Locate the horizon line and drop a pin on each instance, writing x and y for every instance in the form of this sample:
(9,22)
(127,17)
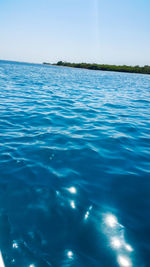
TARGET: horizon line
(42,63)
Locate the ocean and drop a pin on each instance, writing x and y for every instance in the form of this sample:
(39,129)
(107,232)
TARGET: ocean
(74,167)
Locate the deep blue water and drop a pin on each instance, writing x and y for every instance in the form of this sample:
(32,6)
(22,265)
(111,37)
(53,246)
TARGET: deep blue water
(74,167)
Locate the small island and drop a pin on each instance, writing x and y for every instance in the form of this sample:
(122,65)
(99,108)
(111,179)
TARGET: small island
(104,67)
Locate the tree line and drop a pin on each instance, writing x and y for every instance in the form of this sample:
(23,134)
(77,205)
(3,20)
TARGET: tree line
(121,68)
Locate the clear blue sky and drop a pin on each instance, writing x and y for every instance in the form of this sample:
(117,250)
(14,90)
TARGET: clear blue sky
(102,31)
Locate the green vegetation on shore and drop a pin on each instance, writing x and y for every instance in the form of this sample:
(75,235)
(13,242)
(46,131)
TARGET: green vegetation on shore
(122,68)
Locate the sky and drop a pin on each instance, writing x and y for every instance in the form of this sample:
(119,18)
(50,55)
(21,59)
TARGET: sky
(94,31)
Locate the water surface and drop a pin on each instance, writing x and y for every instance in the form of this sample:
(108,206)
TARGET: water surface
(74,167)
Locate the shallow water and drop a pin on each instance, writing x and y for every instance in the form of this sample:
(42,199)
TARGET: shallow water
(74,167)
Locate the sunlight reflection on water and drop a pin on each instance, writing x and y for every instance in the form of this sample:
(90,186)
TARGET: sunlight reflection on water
(74,167)
(1,260)
(72,204)
(115,233)
(124,261)
(72,190)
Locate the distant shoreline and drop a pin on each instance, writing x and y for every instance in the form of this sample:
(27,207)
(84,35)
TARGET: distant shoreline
(120,68)
(103,67)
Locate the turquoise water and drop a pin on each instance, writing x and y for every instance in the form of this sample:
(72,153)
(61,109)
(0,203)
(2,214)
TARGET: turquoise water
(74,167)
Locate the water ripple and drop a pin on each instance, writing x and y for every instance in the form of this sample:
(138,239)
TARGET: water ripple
(74,167)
